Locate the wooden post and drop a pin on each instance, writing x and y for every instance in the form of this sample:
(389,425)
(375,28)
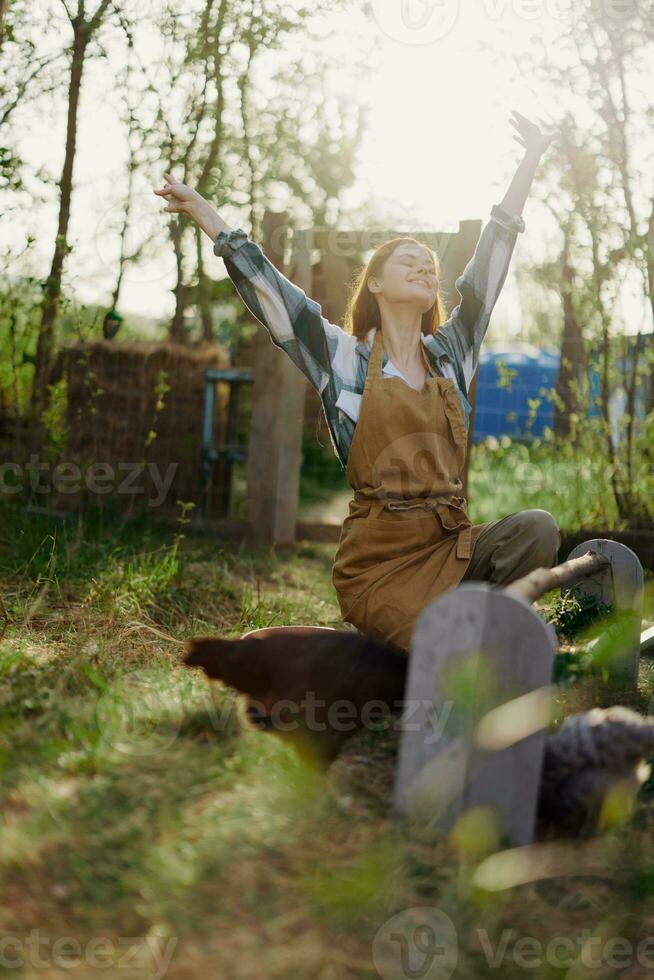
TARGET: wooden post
(474,650)
(275,439)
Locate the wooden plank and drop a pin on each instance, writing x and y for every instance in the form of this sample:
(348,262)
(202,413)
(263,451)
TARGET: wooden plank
(275,439)
(290,411)
(318,531)
(267,368)
(474,650)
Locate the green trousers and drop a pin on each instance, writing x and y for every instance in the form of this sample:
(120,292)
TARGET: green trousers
(513,546)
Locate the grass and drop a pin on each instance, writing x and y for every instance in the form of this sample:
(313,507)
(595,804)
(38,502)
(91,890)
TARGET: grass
(139,809)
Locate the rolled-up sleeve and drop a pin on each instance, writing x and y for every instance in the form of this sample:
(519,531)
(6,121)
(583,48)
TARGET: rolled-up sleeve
(294,321)
(479,286)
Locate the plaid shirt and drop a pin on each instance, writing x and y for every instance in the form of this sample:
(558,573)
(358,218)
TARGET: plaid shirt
(335,362)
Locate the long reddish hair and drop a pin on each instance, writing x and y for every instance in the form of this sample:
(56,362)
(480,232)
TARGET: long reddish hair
(362,312)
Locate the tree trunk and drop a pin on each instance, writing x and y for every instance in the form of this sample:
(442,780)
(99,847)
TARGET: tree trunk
(572,352)
(52,292)
(204,180)
(177,325)
(203,292)
(3,10)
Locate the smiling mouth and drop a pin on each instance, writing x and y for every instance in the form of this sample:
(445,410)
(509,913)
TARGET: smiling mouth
(421,282)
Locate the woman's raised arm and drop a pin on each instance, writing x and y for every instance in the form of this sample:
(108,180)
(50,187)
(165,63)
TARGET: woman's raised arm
(485,274)
(293,320)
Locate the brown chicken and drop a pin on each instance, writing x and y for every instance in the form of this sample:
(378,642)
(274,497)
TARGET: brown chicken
(315,693)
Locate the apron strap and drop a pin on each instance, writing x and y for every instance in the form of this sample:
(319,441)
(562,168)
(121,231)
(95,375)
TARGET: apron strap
(430,370)
(375,365)
(463,549)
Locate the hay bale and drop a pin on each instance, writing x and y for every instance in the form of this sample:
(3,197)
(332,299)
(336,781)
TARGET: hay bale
(141,404)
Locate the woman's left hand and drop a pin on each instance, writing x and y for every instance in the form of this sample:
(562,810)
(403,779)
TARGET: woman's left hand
(530,137)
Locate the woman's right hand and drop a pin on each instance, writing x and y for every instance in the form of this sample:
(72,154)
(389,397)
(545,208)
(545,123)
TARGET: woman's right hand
(183,199)
(180,197)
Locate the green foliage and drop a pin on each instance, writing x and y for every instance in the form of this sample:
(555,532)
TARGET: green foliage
(349,893)
(19,319)
(572,611)
(161,389)
(320,468)
(505,374)
(10,165)
(20,316)
(54,418)
(571,481)
(600,635)
(131,584)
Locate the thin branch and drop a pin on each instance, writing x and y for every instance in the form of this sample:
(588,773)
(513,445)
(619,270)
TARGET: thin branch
(543,580)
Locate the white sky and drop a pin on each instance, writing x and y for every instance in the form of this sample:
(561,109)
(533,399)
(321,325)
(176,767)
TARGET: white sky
(439,145)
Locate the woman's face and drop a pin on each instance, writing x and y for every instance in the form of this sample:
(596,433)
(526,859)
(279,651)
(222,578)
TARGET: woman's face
(408,276)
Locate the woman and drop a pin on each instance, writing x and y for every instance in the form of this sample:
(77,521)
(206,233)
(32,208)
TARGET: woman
(394,387)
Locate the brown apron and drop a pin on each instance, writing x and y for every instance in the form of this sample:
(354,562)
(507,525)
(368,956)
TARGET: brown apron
(407,537)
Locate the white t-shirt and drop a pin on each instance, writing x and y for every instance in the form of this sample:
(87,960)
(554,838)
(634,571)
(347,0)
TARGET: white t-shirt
(350,403)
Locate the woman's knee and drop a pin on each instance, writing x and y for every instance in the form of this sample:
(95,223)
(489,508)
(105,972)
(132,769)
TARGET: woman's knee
(543,530)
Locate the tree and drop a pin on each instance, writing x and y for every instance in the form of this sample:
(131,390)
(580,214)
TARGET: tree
(84,29)
(24,76)
(230,140)
(600,185)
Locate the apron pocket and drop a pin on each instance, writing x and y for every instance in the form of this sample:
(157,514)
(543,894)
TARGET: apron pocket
(370,542)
